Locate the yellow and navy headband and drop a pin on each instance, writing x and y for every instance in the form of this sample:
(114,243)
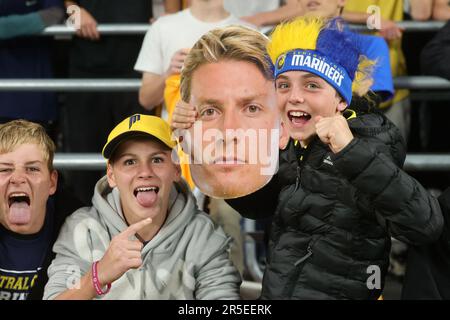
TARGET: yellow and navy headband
(315,45)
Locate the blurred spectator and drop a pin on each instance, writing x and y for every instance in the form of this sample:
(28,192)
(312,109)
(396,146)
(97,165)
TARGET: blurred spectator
(419,10)
(428,266)
(391,11)
(90,116)
(263,14)
(441,10)
(373,47)
(434,57)
(414,42)
(26,56)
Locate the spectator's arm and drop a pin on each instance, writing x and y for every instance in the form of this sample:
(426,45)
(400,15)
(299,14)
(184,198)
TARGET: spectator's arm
(27,24)
(151,92)
(421,9)
(441,10)
(355,17)
(88,24)
(288,11)
(389,29)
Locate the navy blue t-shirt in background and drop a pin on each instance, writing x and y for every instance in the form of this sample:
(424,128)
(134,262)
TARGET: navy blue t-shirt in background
(27,57)
(21,257)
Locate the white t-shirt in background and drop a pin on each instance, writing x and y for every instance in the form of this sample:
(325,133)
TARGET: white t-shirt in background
(171,33)
(242,8)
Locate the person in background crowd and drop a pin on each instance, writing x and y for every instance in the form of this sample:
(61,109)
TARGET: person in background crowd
(90,116)
(441,10)
(434,56)
(427,269)
(398,109)
(25,55)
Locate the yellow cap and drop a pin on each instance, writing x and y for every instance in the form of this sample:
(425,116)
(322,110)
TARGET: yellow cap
(138,124)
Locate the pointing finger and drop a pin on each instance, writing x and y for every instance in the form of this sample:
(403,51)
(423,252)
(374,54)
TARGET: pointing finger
(134,228)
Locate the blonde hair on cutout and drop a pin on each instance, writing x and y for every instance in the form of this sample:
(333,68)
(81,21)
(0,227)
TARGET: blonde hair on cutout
(235,43)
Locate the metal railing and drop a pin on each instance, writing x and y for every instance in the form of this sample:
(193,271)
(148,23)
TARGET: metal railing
(103,29)
(70,85)
(409,26)
(135,29)
(95,161)
(251,254)
(79,161)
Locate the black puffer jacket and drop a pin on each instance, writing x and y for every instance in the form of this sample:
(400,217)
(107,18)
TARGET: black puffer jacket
(335,218)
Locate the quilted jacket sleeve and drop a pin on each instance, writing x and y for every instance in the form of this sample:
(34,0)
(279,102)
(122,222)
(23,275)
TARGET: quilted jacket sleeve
(411,213)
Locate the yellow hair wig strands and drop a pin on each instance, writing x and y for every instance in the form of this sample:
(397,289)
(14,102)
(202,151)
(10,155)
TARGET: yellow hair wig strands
(363,76)
(299,33)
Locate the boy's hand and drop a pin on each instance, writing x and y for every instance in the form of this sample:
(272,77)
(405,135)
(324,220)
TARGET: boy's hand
(184,116)
(334,131)
(122,254)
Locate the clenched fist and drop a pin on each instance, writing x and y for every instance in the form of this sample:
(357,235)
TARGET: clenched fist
(334,131)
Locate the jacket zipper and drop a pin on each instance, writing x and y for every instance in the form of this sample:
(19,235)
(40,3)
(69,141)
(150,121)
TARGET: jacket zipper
(297,179)
(299,264)
(281,205)
(306,256)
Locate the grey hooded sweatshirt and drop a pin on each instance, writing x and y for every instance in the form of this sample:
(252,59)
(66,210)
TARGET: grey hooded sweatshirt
(187,259)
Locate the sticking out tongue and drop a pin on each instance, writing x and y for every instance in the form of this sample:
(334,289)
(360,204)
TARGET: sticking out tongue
(19,213)
(299,121)
(146,198)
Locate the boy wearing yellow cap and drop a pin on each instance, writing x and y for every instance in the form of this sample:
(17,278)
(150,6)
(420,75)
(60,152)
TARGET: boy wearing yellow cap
(143,237)
(333,220)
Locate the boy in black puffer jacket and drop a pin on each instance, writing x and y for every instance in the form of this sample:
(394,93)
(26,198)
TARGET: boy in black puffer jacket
(332,225)
(331,232)
(333,219)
